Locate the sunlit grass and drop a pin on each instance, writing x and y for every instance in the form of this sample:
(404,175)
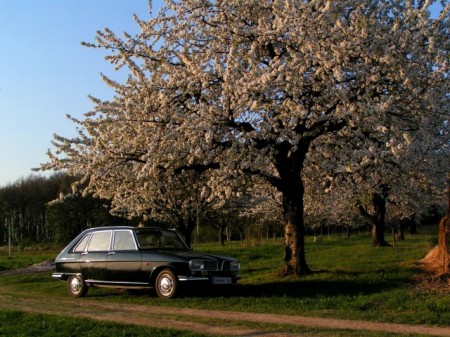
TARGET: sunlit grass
(21,259)
(16,323)
(352,280)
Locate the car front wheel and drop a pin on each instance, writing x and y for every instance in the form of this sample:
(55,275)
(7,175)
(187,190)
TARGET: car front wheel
(166,284)
(76,286)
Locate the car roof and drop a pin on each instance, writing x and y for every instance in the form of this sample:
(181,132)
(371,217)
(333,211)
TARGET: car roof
(123,227)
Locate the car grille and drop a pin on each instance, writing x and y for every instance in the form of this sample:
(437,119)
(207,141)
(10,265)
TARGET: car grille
(210,265)
(216,266)
(226,265)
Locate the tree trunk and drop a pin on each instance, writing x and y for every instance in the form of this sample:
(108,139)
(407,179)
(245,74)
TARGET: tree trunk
(294,232)
(438,259)
(221,235)
(444,244)
(401,232)
(413,228)
(187,228)
(444,235)
(379,206)
(407,222)
(294,249)
(377,219)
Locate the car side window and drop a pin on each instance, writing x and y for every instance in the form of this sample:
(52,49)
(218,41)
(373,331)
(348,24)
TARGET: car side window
(79,248)
(123,240)
(148,239)
(100,241)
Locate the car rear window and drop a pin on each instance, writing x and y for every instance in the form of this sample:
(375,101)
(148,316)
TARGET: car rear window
(81,244)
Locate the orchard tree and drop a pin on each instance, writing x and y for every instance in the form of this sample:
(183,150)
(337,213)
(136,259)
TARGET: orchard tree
(402,173)
(327,204)
(224,215)
(238,88)
(178,198)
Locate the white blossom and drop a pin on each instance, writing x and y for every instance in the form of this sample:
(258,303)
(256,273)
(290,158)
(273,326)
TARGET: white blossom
(234,87)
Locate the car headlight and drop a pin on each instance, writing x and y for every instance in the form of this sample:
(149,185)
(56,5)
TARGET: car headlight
(235,265)
(196,265)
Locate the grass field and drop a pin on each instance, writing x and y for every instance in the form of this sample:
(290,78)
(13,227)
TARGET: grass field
(352,280)
(15,323)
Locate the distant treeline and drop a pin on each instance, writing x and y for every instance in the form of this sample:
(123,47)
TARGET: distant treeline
(34,211)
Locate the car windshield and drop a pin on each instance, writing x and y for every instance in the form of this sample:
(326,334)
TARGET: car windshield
(153,238)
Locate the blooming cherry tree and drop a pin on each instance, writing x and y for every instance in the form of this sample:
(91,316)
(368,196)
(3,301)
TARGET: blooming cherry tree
(382,173)
(234,88)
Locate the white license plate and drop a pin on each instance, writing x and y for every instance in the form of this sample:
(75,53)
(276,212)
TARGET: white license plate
(221,280)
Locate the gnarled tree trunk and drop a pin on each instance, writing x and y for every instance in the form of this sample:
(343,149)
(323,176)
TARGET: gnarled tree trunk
(379,205)
(438,259)
(444,243)
(294,231)
(444,236)
(378,216)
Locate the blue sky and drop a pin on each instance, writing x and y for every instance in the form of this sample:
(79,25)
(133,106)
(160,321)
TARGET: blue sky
(45,73)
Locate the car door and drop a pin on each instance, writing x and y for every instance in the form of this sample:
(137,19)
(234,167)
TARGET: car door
(93,259)
(124,261)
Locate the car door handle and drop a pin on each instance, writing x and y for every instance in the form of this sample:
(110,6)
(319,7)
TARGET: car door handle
(111,253)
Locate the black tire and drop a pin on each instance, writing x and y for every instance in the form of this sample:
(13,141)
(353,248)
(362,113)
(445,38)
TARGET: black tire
(166,284)
(76,286)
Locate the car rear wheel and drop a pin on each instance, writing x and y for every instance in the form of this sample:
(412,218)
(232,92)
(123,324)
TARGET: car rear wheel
(166,284)
(76,286)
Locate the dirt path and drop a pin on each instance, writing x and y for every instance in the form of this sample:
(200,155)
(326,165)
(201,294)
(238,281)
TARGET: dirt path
(188,319)
(225,323)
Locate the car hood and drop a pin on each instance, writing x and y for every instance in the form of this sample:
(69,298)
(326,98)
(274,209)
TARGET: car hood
(191,255)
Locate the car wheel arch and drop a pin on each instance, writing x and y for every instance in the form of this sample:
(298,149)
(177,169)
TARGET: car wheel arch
(155,272)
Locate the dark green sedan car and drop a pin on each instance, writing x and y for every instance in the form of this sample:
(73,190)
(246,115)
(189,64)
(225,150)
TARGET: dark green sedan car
(138,258)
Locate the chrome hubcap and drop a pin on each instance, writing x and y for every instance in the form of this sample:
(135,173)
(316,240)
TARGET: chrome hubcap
(75,285)
(166,285)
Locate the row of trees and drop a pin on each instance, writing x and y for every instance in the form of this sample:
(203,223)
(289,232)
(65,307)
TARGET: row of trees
(34,211)
(39,210)
(42,210)
(329,106)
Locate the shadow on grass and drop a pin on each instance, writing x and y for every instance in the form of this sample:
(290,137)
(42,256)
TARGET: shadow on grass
(339,283)
(301,288)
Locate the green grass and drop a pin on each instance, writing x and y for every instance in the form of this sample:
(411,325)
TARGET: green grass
(20,259)
(16,323)
(353,280)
